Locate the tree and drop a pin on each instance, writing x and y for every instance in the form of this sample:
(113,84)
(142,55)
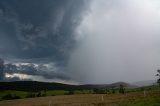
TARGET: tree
(122,89)
(70,92)
(113,90)
(158,75)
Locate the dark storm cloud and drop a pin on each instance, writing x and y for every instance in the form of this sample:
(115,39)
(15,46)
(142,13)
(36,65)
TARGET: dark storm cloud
(118,40)
(39,28)
(38,32)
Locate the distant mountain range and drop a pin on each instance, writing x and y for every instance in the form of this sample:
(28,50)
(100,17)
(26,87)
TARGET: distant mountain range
(38,86)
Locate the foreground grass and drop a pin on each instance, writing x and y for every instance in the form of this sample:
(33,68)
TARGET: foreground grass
(152,98)
(148,102)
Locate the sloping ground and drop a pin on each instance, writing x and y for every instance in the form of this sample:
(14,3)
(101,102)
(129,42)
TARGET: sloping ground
(152,98)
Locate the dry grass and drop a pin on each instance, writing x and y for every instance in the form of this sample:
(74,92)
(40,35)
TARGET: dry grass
(84,100)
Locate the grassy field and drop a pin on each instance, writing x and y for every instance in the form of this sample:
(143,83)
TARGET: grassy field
(152,98)
(22,94)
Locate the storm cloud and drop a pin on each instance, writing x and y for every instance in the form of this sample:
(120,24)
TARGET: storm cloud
(39,31)
(86,41)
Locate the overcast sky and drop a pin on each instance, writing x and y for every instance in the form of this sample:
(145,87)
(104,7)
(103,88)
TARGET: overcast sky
(80,41)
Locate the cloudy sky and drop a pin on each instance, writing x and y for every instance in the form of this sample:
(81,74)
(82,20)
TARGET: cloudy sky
(80,41)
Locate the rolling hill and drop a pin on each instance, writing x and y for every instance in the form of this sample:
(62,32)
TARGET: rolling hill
(38,86)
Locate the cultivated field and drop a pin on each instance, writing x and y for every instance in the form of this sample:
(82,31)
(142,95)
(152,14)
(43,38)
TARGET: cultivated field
(152,98)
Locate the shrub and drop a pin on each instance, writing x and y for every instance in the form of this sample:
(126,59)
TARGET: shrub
(10,96)
(71,92)
(122,89)
(38,94)
(30,95)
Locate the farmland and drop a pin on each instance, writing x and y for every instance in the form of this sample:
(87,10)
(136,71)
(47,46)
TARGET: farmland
(152,98)
(52,94)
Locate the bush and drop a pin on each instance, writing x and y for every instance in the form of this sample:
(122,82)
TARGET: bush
(10,96)
(44,94)
(121,89)
(99,91)
(70,92)
(14,96)
(113,91)
(38,94)
(7,97)
(30,95)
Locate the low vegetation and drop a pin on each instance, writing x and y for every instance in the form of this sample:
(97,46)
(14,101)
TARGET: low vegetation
(94,97)
(85,95)
(152,98)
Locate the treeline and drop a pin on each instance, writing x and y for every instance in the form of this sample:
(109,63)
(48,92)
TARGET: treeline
(14,95)
(33,86)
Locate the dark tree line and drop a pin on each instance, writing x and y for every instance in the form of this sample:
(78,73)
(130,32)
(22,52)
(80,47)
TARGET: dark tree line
(158,75)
